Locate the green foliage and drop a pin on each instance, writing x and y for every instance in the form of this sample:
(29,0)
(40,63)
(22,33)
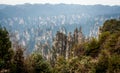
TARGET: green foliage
(6,53)
(114,64)
(117,46)
(18,61)
(102,64)
(39,64)
(79,49)
(110,43)
(61,65)
(108,63)
(73,65)
(92,48)
(109,58)
(103,37)
(113,26)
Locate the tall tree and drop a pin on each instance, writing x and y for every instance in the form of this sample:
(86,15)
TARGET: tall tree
(6,52)
(19,60)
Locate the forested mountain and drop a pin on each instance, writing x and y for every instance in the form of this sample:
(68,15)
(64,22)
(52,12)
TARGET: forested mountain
(37,24)
(70,53)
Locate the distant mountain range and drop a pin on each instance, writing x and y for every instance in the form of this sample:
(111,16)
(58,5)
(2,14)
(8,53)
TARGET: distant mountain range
(57,9)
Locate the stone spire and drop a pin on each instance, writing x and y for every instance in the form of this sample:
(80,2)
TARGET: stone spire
(80,36)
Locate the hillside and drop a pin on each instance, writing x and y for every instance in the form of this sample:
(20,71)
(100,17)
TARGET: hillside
(69,54)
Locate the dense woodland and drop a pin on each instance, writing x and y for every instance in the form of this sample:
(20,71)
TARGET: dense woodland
(72,53)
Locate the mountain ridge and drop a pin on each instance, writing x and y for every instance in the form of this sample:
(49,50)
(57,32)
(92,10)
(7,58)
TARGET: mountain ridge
(56,9)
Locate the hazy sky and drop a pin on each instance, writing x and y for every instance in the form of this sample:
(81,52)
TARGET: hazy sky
(83,2)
